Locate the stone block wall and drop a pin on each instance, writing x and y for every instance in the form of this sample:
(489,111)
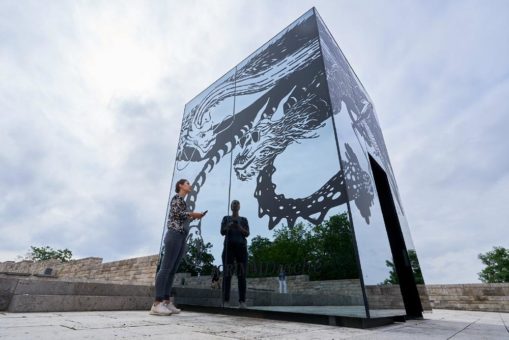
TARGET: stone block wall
(297,283)
(493,297)
(141,271)
(388,297)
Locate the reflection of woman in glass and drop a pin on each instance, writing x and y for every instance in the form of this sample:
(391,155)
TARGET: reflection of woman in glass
(174,248)
(235,228)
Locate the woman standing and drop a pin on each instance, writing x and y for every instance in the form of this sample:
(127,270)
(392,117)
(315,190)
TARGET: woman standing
(174,248)
(235,228)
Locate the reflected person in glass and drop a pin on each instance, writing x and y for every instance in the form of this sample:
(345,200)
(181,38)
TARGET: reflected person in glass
(282,280)
(235,229)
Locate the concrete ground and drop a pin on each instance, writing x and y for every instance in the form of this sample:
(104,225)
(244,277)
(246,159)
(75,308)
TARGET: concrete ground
(441,324)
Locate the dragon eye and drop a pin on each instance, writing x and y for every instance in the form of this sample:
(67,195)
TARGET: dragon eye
(242,141)
(255,136)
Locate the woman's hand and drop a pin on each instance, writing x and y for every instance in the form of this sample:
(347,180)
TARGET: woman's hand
(196,215)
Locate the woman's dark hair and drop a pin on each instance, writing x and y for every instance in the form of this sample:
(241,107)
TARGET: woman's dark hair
(179,183)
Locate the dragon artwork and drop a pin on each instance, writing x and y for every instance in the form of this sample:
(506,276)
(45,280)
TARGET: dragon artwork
(291,102)
(346,88)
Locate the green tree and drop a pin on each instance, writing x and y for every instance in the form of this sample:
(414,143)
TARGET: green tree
(48,253)
(289,248)
(416,268)
(333,254)
(393,277)
(292,248)
(198,258)
(497,265)
(260,250)
(323,251)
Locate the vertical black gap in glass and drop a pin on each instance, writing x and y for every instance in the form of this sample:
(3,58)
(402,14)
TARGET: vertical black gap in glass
(404,270)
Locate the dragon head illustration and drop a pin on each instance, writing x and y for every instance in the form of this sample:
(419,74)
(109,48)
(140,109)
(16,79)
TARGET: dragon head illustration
(274,129)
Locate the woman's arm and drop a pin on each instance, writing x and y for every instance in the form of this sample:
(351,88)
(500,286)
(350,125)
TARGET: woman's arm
(196,215)
(178,211)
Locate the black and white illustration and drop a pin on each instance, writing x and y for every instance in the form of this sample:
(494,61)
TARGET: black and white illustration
(281,99)
(345,88)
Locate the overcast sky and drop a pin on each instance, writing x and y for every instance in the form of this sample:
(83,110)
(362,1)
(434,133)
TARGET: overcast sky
(92,94)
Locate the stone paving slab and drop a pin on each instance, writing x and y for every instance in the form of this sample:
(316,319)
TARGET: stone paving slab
(441,324)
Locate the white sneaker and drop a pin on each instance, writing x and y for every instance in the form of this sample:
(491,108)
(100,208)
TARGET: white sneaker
(242,305)
(159,309)
(171,307)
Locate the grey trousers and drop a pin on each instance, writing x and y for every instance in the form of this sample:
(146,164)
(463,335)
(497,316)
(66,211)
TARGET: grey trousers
(174,250)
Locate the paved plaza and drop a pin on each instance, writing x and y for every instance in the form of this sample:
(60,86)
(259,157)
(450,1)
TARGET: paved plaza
(440,324)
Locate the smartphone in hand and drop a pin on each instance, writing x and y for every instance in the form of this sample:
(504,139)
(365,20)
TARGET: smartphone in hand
(205,212)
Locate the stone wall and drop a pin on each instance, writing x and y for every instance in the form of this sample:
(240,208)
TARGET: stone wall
(389,297)
(141,271)
(493,297)
(297,283)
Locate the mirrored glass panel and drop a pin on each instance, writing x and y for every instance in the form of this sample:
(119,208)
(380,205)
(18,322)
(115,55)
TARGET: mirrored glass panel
(352,106)
(204,158)
(379,158)
(287,178)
